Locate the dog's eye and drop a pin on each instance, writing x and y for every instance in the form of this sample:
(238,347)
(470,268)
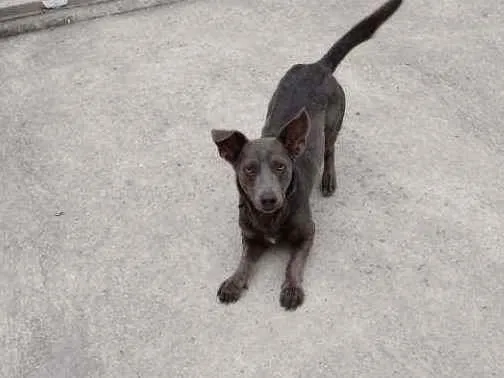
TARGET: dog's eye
(280,167)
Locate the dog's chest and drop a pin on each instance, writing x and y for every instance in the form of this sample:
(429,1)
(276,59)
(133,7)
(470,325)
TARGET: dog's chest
(268,229)
(266,237)
(271,239)
(270,234)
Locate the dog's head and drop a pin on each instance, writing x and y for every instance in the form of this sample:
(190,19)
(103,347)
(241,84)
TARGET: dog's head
(264,166)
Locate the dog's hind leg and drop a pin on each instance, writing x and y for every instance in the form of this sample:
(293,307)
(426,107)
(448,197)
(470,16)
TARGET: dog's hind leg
(334,119)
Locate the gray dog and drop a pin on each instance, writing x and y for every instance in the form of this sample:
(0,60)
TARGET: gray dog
(275,174)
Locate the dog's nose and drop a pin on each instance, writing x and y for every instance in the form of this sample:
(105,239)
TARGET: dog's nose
(268,200)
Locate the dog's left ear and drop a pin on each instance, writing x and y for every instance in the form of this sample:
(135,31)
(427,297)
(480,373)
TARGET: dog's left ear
(229,143)
(294,133)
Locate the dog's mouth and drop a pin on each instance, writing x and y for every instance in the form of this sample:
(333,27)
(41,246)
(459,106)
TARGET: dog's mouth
(268,209)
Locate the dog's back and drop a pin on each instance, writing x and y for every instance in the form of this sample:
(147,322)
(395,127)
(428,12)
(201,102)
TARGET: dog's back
(312,86)
(302,86)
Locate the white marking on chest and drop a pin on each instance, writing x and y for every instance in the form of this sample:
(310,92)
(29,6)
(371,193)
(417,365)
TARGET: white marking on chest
(271,239)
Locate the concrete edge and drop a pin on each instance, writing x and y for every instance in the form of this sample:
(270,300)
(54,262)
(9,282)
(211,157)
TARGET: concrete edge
(32,16)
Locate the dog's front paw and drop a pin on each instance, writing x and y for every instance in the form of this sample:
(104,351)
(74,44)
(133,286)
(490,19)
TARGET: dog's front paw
(328,184)
(291,296)
(230,290)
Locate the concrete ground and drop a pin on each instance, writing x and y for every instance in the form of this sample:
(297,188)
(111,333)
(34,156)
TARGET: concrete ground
(118,220)
(8,3)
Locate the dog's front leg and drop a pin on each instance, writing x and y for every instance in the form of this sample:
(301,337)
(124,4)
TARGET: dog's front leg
(292,294)
(231,289)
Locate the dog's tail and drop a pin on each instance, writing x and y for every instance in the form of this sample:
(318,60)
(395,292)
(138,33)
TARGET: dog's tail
(361,32)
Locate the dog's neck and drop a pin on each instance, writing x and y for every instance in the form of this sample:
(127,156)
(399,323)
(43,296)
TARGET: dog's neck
(291,189)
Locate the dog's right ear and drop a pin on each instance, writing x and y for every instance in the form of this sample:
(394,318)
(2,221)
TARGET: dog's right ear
(229,143)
